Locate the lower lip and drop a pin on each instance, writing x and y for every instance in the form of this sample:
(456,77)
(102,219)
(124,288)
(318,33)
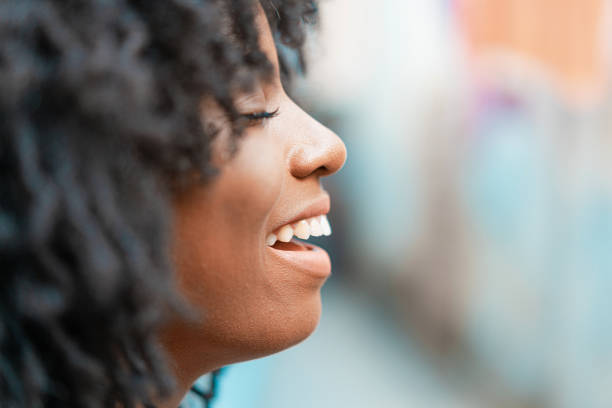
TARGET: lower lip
(310,259)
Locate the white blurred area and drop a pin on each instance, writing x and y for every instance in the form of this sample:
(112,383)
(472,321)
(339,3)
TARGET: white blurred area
(473,220)
(379,70)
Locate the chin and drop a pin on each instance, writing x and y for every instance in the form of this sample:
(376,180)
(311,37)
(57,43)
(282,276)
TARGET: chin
(301,327)
(279,332)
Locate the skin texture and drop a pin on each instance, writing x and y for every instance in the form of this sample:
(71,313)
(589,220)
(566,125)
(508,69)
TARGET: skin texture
(249,304)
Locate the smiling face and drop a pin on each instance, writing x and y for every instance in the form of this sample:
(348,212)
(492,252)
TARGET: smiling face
(257,295)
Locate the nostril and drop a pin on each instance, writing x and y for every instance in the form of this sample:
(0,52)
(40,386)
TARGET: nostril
(323,171)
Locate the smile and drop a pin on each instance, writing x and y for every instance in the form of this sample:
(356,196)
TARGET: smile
(299,255)
(303,229)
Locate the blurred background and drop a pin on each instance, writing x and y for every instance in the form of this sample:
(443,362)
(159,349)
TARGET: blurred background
(472,242)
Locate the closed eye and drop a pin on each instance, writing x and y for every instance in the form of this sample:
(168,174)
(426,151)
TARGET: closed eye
(257,118)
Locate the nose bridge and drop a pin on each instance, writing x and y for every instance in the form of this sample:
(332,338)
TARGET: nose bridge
(317,151)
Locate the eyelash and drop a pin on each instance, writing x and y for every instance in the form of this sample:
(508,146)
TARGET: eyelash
(258,117)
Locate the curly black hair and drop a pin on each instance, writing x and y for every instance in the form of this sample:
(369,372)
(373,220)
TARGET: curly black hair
(100,118)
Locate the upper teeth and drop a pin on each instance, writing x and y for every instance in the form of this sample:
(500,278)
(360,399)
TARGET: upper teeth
(303,229)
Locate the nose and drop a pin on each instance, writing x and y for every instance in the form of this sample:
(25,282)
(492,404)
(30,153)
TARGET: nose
(317,151)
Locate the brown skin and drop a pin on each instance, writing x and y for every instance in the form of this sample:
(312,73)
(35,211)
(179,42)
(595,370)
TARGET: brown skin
(252,305)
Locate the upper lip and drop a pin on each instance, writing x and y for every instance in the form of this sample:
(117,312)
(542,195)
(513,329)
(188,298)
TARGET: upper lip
(318,206)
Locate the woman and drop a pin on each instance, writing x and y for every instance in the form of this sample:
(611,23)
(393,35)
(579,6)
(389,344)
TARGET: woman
(154,172)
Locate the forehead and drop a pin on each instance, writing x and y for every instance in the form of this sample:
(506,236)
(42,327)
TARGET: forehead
(266,39)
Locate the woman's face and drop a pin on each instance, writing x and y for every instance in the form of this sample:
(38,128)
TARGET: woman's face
(255,299)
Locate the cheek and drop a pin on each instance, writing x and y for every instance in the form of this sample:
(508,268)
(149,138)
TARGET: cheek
(249,306)
(252,183)
(220,229)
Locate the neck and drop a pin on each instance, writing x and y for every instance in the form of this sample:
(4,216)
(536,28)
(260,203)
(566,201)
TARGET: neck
(187,368)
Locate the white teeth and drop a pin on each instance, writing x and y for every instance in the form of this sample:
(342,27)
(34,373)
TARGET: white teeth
(302,230)
(315,227)
(271,240)
(285,234)
(325,227)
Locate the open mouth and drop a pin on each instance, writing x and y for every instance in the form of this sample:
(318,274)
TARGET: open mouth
(299,255)
(294,245)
